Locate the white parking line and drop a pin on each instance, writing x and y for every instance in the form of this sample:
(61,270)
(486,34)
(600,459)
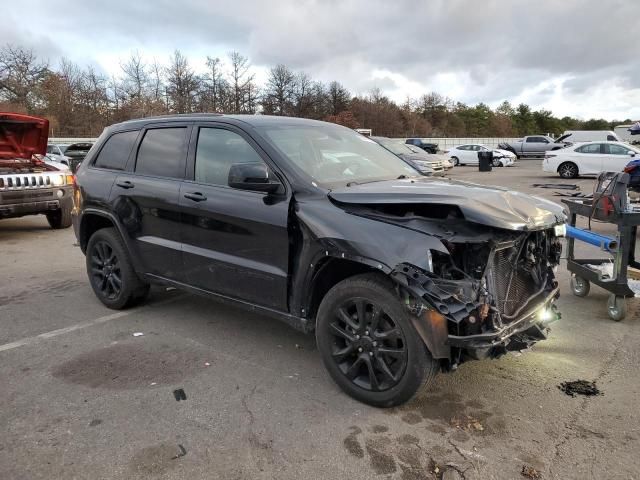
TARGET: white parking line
(61,331)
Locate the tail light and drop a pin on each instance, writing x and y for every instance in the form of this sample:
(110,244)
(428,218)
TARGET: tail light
(630,168)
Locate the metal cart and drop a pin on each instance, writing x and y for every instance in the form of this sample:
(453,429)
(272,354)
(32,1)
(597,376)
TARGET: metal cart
(623,258)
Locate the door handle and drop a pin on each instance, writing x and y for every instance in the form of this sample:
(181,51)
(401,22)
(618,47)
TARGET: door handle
(195,196)
(125,184)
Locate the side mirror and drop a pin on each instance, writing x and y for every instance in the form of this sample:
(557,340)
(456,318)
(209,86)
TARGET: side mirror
(631,153)
(252,176)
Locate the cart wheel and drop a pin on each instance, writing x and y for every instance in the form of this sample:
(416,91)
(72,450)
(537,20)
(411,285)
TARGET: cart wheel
(579,286)
(617,307)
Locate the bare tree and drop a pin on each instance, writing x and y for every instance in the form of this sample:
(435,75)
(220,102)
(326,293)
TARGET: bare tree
(215,87)
(279,93)
(21,76)
(182,84)
(303,95)
(338,98)
(241,80)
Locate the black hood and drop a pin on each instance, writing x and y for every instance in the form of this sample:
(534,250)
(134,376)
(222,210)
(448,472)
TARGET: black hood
(493,206)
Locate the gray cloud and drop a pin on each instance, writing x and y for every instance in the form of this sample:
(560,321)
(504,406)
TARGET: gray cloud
(492,50)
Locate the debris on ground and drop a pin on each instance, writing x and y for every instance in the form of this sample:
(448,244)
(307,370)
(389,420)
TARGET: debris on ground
(466,422)
(138,334)
(559,186)
(183,452)
(299,347)
(179,394)
(573,195)
(207,364)
(530,472)
(579,387)
(170,289)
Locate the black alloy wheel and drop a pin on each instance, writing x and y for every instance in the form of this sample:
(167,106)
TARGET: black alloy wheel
(368,347)
(105,270)
(368,343)
(111,273)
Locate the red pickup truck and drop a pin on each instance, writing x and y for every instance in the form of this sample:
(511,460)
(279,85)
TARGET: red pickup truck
(30,184)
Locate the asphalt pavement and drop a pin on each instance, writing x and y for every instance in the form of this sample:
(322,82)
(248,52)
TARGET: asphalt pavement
(82,396)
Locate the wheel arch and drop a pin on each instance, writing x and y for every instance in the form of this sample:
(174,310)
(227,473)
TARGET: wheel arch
(328,272)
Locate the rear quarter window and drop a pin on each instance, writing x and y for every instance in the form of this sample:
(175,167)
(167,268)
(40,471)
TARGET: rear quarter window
(116,150)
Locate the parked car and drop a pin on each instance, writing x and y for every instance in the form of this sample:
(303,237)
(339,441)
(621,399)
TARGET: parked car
(76,152)
(446,162)
(55,152)
(468,155)
(399,275)
(426,146)
(633,169)
(589,158)
(532,146)
(30,183)
(578,136)
(425,163)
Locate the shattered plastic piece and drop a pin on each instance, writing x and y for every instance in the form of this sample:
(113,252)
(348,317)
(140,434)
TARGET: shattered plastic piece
(579,387)
(299,347)
(530,472)
(138,334)
(170,288)
(152,384)
(179,394)
(183,452)
(207,364)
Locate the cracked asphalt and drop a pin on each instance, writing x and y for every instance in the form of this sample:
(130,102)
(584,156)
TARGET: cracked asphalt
(83,398)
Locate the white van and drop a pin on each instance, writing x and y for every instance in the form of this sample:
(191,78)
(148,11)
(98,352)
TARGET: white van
(575,136)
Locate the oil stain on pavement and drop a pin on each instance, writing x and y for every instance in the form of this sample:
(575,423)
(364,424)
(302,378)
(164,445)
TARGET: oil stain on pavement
(129,366)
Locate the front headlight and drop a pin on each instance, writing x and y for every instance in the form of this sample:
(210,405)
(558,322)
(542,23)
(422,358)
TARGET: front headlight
(560,230)
(57,180)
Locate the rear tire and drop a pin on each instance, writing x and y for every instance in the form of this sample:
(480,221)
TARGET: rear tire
(455,161)
(60,218)
(110,271)
(568,170)
(368,344)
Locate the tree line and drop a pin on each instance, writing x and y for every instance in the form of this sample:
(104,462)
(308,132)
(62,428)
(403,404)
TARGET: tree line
(80,101)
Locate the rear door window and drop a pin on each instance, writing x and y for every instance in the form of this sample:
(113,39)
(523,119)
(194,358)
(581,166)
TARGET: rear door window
(116,150)
(162,152)
(590,148)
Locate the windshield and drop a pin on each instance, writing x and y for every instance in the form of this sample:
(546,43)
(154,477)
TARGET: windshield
(335,156)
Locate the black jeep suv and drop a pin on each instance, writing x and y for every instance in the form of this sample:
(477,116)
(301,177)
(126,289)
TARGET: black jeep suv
(400,276)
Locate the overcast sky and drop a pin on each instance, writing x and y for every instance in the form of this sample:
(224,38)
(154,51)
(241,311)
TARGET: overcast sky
(573,57)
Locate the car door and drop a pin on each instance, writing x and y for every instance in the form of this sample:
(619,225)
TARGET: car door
(588,157)
(146,199)
(235,242)
(464,154)
(615,157)
(535,144)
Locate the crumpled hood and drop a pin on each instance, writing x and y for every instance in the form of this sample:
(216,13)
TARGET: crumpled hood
(493,206)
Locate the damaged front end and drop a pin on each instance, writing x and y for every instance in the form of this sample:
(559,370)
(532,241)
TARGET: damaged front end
(483,299)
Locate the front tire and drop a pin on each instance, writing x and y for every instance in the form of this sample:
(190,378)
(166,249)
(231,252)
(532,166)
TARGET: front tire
(568,170)
(110,271)
(455,161)
(60,218)
(496,163)
(368,344)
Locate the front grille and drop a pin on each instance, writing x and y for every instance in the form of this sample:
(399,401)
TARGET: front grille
(513,285)
(24,181)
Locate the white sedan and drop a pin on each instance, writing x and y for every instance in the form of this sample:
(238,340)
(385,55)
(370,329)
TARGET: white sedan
(468,155)
(589,158)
